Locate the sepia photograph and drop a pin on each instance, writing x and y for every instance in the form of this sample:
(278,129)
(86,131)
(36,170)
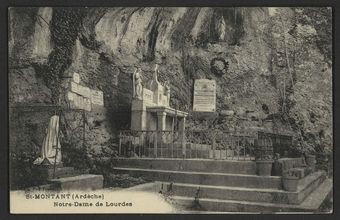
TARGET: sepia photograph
(175,110)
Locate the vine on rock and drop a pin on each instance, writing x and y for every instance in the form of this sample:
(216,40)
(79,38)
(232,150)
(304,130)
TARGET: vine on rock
(65,26)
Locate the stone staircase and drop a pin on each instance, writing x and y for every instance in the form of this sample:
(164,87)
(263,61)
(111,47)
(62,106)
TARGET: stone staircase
(225,186)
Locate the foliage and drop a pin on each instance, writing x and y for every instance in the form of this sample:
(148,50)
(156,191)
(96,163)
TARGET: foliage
(65,26)
(104,166)
(103,163)
(21,164)
(324,161)
(298,36)
(302,148)
(27,130)
(75,157)
(321,20)
(293,173)
(122,180)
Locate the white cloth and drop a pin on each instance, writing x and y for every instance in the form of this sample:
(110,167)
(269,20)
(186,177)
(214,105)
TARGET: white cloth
(49,147)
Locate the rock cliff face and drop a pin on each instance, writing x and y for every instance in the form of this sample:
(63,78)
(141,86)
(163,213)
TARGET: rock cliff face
(105,45)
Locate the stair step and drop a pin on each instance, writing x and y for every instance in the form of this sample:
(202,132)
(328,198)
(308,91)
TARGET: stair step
(307,185)
(205,178)
(218,166)
(80,182)
(311,203)
(219,205)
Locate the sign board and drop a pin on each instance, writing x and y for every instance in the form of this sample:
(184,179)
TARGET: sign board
(204,95)
(87,104)
(76,78)
(97,97)
(80,90)
(74,87)
(82,97)
(84,91)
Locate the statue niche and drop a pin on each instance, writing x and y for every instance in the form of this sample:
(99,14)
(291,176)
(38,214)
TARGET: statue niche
(221,28)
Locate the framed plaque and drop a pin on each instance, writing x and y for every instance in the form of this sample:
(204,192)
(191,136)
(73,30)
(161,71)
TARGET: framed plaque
(204,95)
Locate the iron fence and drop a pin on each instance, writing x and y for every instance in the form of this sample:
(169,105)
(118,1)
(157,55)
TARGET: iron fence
(200,144)
(151,144)
(215,144)
(281,143)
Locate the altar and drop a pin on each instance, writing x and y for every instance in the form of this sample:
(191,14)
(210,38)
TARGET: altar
(150,109)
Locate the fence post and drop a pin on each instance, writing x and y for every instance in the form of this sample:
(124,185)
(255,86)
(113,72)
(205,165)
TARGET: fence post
(213,142)
(243,142)
(140,137)
(161,143)
(172,136)
(120,144)
(183,146)
(155,144)
(182,136)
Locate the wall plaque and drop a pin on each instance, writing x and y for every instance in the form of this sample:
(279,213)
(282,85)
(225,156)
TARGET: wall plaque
(76,78)
(204,95)
(97,97)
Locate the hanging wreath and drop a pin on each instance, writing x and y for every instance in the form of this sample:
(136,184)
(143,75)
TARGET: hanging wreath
(219,66)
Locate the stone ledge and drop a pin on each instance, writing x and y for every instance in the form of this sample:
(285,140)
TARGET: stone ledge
(205,178)
(80,182)
(283,164)
(189,164)
(46,173)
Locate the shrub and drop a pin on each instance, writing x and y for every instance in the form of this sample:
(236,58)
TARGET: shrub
(122,180)
(21,175)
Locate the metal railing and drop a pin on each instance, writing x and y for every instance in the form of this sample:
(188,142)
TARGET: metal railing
(200,144)
(220,145)
(280,143)
(150,144)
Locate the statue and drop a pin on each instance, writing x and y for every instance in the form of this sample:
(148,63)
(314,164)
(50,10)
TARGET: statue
(155,73)
(156,87)
(50,150)
(153,83)
(221,29)
(137,85)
